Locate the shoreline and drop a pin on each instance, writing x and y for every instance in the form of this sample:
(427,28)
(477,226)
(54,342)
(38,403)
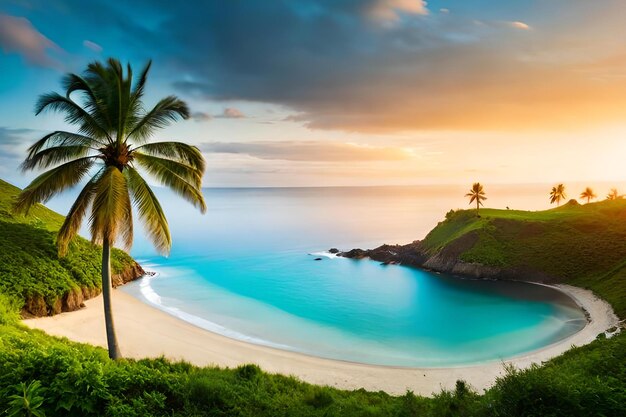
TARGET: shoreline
(234,335)
(146,331)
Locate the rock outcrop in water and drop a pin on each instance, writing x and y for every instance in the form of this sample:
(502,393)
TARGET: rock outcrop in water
(446,261)
(416,255)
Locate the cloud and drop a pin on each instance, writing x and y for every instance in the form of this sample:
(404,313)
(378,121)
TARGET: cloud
(308,151)
(201,116)
(227,113)
(390,10)
(338,72)
(520,25)
(13,145)
(231,113)
(18,35)
(92,45)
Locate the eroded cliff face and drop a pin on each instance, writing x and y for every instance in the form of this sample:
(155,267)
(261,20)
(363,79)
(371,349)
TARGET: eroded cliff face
(37,306)
(131,273)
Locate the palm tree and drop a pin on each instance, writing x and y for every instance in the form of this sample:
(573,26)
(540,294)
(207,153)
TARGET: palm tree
(477,193)
(557,194)
(588,194)
(108,150)
(613,194)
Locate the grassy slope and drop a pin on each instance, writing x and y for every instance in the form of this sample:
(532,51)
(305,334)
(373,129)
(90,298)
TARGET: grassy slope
(29,265)
(584,245)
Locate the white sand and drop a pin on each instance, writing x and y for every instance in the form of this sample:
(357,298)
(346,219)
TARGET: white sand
(144,331)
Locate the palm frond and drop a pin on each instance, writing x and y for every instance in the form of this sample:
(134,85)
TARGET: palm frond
(150,211)
(140,86)
(54,155)
(126,220)
(162,114)
(93,103)
(163,166)
(176,176)
(110,207)
(51,182)
(74,114)
(62,138)
(187,154)
(74,218)
(126,118)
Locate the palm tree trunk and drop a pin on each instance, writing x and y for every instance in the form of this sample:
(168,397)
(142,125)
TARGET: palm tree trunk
(107,289)
(477,205)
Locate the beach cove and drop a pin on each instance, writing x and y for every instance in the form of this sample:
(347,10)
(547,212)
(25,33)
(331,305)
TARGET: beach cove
(148,332)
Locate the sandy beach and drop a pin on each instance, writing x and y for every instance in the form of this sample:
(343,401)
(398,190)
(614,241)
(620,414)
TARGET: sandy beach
(144,331)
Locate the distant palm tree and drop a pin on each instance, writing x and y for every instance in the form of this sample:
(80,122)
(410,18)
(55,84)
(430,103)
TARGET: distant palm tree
(477,193)
(588,194)
(557,194)
(613,194)
(108,149)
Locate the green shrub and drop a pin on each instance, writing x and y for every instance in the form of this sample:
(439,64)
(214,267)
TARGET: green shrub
(463,401)
(9,309)
(320,397)
(585,381)
(248,372)
(28,400)
(210,395)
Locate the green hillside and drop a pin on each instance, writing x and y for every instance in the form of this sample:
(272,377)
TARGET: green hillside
(32,272)
(583,245)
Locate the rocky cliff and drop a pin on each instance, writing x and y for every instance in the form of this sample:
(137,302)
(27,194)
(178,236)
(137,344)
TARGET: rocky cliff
(36,305)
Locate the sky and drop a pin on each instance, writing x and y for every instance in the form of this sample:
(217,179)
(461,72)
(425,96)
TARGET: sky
(345,92)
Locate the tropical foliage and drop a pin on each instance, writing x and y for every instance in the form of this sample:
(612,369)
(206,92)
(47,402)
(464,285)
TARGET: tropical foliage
(477,194)
(613,194)
(557,194)
(109,150)
(28,401)
(587,194)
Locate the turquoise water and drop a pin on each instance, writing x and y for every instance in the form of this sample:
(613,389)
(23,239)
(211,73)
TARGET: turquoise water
(247,270)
